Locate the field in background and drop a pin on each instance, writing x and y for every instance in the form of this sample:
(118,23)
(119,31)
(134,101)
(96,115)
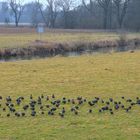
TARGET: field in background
(23,37)
(105,75)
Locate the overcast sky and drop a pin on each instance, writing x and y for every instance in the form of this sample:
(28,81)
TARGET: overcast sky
(26,1)
(42,1)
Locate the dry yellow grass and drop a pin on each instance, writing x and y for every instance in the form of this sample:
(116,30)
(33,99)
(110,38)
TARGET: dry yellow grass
(24,39)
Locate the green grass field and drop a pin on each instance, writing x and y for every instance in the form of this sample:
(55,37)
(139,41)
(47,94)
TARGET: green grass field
(105,75)
(25,39)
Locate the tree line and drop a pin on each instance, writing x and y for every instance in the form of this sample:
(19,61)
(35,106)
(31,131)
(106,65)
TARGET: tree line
(70,14)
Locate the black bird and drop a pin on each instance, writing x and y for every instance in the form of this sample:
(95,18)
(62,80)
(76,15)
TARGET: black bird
(8,99)
(42,113)
(105,108)
(132,104)
(129,100)
(8,115)
(18,101)
(22,98)
(119,102)
(53,102)
(90,111)
(72,109)
(77,107)
(26,107)
(64,101)
(11,105)
(73,101)
(115,103)
(116,106)
(57,105)
(110,99)
(47,98)
(68,100)
(90,103)
(107,103)
(53,109)
(31,97)
(122,97)
(53,96)
(33,102)
(97,98)
(138,102)
(47,106)
(127,109)
(80,102)
(122,106)
(42,96)
(51,113)
(32,108)
(84,100)
(22,114)
(61,115)
(76,112)
(102,101)
(95,101)
(33,113)
(17,114)
(7,104)
(39,101)
(41,107)
(12,109)
(79,98)
(63,110)
(111,112)
(58,101)
(4,109)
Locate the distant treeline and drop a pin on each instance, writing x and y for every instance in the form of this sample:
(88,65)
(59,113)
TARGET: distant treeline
(72,14)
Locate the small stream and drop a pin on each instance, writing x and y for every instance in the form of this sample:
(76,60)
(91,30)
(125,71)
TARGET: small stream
(73,53)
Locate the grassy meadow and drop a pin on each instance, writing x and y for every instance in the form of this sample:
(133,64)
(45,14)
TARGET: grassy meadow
(103,75)
(11,38)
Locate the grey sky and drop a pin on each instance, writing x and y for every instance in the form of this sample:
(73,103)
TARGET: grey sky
(42,1)
(26,1)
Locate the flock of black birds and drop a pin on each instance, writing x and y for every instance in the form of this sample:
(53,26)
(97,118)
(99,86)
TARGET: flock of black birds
(50,105)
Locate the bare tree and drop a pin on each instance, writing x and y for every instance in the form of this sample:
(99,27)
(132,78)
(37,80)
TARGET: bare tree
(89,6)
(52,6)
(52,10)
(35,14)
(17,9)
(121,10)
(40,6)
(104,4)
(66,6)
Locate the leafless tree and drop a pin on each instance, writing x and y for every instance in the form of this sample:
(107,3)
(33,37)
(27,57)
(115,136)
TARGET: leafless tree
(35,14)
(104,4)
(17,9)
(121,10)
(89,6)
(52,11)
(66,6)
(42,12)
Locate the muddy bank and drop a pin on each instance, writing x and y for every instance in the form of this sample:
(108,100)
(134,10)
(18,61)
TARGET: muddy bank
(47,49)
